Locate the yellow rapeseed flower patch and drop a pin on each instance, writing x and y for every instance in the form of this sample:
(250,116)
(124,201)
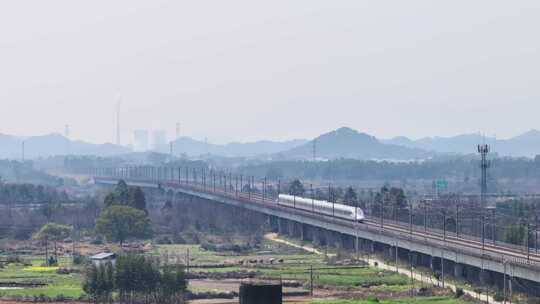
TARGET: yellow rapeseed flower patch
(41,268)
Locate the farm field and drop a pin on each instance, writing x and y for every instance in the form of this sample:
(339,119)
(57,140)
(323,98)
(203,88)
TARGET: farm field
(217,274)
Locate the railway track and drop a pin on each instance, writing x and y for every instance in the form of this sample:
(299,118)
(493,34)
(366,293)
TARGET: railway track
(487,248)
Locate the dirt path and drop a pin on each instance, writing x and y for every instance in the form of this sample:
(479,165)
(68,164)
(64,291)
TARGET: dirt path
(382,265)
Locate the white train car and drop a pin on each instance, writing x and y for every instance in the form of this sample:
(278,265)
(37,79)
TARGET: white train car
(338,210)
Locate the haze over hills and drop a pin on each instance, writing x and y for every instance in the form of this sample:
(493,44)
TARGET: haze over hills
(349,143)
(342,143)
(524,145)
(194,147)
(53,144)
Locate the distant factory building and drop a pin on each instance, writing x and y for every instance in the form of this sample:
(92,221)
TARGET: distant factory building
(140,140)
(159,140)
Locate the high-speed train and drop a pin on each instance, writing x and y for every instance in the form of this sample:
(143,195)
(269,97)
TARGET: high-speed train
(338,210)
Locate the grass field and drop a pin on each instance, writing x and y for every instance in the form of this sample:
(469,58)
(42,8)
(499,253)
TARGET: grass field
(295,266)
(287,264)
(57,285)
(426,300)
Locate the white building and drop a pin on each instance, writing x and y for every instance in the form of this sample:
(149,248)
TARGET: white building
(140,140)
(159,140)
(103,258)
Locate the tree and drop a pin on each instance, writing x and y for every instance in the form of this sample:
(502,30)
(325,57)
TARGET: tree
(119,196)
(99,282)
(53,232)
(122,195)
(296,188)
(137,279)
(118,223)
(350,197)
(172,284)
(515,234)
(137,199)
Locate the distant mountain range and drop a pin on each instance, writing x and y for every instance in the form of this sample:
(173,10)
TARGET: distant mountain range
(262,148)
(51,145)
(349,143)
(524,145)
(341,143)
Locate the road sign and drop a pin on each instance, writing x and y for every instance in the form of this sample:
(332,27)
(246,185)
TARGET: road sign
(442,185)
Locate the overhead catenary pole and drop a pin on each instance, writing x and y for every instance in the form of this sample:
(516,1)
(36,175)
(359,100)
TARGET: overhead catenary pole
(457,219)
(527,241)
(312,198)
(264,189)
(444,224)
(504,281)
(536,232)
(425,215)
(493,225)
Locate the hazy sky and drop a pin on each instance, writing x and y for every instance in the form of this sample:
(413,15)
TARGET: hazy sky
(247,70)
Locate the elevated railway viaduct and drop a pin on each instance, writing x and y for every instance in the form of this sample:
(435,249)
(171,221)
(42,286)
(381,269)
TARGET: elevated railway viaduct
(490,264)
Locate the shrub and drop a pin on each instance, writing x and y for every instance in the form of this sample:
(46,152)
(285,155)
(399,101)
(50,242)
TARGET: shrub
(60,298)
(499,297)
(98,240)
(164,241)
(80,260)
(372,298)
(459,292)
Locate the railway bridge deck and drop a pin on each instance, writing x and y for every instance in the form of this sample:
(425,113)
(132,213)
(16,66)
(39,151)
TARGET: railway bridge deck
(445,252)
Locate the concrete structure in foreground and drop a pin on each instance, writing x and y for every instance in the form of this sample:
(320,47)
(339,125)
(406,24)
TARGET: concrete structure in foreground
(486,265)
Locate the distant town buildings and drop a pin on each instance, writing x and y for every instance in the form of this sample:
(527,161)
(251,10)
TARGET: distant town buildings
(159,140)
(140,140)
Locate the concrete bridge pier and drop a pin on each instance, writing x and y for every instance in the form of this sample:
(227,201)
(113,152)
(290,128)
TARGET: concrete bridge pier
(458,270)
(294,229)
(425,260)
(307,233)
(415,257)
(348,242)
(390,252)
(319,236)
(333,239)
(274,226)
(281,226)
(486,277)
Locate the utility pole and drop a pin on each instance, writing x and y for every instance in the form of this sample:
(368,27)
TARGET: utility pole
(311,280)
(412,275)
(396,254)
(187,261)
(442,268)
(504,281)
